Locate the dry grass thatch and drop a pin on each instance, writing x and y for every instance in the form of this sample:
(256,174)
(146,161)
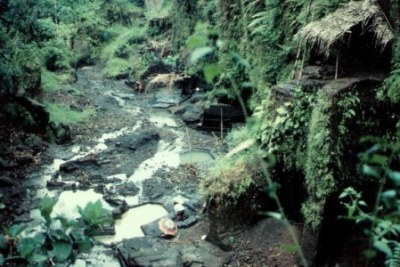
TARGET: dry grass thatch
(333,28)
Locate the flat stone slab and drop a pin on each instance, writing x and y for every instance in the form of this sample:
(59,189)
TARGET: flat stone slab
(149,251)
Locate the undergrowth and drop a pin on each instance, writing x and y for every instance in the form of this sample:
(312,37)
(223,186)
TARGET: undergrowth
(62,114)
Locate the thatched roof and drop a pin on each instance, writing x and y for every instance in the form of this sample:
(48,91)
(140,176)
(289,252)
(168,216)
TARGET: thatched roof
(333,28)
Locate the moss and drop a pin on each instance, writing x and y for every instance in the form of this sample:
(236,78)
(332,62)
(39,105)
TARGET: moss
(62,114)
(52,81)
(230,178)
(391,86)
(116,67)
(126,54)
(320,179)
(126,37)
(312,211)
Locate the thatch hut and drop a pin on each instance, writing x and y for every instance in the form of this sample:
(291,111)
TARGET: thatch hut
(336,29)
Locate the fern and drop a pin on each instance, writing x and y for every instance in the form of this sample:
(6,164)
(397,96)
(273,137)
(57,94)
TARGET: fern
(394,261)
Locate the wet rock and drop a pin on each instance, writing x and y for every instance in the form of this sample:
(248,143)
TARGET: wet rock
(76,165)
(54,184)
(148,251)
(105,230)
(134,141)
(113,201)
(127,189)
(55,175)
(156,188)
(187,222)
(96,178)
(204,254)
(123,207)
(152,229)
(193,113)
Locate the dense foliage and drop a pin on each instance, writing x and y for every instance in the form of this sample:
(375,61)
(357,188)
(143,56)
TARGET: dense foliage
(246,53)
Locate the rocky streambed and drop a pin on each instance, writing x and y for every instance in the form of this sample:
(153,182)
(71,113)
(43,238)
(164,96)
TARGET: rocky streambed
(142,163)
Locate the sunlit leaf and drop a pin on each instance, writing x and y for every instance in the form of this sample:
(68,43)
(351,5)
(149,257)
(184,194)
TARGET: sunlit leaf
(199,53)
(211,71)
(370,171)
(383,247)
(196,41)
(395,177)
(275,215)
(389,198)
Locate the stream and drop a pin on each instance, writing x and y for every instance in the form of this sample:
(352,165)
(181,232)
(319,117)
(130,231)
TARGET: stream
(133,153)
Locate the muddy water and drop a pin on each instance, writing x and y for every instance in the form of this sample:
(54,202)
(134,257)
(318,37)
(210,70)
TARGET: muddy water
(196,156)
(129,226)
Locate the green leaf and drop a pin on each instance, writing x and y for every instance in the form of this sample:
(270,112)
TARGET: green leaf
(94,214)
(15,230)
(362,203)
(370,171)
(38,259)
(238,59)
(395,177)
(211,71)
(27,246)
(196,41)
(348,192)
(59,235)
(84,242)
(389,197)
(275,215)
(1,259)
(61,251)
(379,159)
(199,53)
(46,207)
(383,246)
